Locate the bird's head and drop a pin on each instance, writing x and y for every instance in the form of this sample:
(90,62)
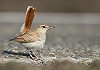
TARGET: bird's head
(44,27)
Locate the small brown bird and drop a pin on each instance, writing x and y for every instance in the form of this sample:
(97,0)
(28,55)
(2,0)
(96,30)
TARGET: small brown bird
(32,38)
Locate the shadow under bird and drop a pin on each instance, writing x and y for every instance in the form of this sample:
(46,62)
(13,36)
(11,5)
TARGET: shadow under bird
(32,38)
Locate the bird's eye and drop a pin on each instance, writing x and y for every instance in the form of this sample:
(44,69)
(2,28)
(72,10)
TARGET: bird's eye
(43,26)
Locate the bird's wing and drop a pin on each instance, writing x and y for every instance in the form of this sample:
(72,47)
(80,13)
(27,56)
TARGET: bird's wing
(26,38)
(29,18)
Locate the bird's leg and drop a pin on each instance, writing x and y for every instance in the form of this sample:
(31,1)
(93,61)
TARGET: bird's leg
(31,54)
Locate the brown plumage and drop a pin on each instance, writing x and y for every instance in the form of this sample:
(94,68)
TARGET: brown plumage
(32,38)
(30,13)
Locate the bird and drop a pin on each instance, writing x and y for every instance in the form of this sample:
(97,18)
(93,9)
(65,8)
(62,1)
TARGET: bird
(35,37)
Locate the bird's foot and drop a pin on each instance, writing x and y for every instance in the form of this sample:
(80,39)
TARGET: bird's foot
(32,55)
(35,58)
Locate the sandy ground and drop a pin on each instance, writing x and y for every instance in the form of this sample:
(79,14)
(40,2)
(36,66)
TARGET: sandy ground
(68,47)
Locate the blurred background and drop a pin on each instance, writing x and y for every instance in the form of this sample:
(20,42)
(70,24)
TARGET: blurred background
(60,12)
(77,25)
(51,6)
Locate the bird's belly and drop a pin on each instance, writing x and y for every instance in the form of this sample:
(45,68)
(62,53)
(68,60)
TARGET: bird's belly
(38,44)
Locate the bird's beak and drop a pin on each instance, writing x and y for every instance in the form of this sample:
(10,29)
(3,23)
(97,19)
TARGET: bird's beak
(51,27)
